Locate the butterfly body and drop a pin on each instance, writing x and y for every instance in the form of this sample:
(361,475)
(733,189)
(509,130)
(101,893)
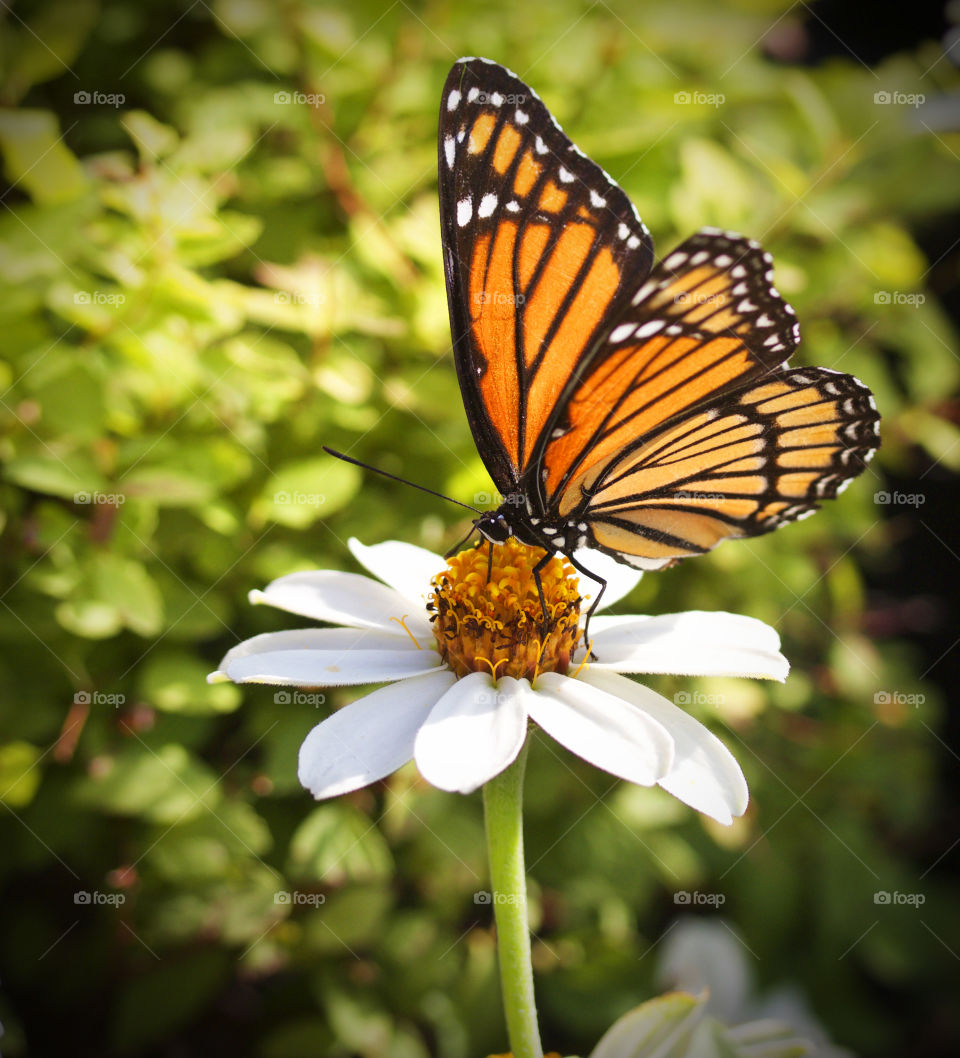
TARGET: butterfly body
(644,410)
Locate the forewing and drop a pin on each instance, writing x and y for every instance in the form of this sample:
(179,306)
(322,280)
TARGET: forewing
(541,249)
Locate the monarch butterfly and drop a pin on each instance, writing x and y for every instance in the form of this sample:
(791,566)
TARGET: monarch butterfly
(643,410)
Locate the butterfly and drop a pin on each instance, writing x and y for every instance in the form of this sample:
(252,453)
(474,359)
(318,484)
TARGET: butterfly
(643,410)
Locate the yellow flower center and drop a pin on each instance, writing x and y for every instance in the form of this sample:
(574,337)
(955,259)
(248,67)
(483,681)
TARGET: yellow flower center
(487,616)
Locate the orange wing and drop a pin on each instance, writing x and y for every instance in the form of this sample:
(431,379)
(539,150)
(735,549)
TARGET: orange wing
(541,250)
(708,319)
(744,464)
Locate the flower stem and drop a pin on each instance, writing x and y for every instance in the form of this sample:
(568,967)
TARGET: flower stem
(503,810)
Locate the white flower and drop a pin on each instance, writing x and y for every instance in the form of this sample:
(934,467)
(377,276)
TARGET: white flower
(464,729)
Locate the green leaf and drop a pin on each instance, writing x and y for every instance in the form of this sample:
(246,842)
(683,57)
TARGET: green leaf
(72,476)
(36,158)
(303,492)
(176,683)
(48,44)
(336,844)
(19,774)
(164,786)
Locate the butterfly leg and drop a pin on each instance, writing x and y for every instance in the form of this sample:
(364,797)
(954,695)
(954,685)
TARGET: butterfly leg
(593,606)
(489,560)
(539,583)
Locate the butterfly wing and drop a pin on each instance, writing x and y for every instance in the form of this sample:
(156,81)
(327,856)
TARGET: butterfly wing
(744,463)
(707,319)
(541,249)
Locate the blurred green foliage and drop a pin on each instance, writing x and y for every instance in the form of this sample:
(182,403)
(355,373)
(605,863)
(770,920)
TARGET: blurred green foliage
(219,249)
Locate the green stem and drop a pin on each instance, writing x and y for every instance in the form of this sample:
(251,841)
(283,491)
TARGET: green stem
(503,810)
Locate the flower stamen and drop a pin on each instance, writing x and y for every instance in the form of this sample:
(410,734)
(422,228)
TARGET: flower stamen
(487,614)
(402,622)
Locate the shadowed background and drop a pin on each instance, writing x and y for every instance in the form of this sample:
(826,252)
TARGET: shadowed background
(219,249)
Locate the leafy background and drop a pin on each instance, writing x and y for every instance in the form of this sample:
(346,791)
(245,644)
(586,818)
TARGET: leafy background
(206,277)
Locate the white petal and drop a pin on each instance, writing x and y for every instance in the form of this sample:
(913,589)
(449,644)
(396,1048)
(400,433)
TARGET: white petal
(343,599)
(602,728)
(621,579)
(370,738)
(336,666)
(474,731)
(704,774)
(404,567)
(694,643)
(315,639)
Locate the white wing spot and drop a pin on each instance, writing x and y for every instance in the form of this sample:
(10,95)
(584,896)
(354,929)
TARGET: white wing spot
(513,207)
(521,117)
(464,211)
(450,150)
(597,201)
(746,306)
(650,327)
(496,99)
(487,205)
(453,100)
(699,257)
(623,231)
(633,242)
(539,146)
(618,334)
(473,95)
(675,260)
(566,177)
(722,260)
(764,320)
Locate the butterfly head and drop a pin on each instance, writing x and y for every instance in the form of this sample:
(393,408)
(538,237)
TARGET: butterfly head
(494,526)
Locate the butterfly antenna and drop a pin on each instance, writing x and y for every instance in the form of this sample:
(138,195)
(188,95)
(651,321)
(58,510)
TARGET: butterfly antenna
(393,477)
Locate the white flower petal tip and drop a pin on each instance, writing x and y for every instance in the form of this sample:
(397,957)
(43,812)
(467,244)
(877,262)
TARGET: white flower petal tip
(370,738)
(603,728)
(703,774)
(474,731)
(218,677)
(349,599)
(332,668)
(694,643)
(406,568)
(256,597)
(621,579)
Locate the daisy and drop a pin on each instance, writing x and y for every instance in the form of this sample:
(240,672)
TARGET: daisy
(468,662)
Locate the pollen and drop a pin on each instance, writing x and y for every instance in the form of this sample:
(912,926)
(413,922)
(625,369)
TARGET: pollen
(487,615)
